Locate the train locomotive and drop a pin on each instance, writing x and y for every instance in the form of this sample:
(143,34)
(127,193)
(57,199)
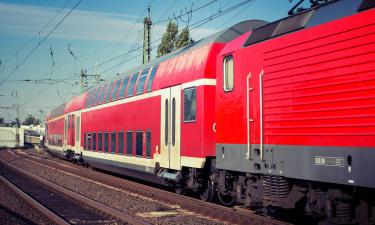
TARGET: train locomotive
(269,115)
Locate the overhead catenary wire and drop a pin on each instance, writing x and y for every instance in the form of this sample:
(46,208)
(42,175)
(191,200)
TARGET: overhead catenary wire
(40,42)
(40,31)
(129,32)
(192,27)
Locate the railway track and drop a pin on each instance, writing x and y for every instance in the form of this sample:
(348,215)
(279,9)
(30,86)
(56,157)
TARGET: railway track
(218,212)
(59,204)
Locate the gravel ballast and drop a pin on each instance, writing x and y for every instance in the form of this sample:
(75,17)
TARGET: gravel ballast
(150,210)
(14,210)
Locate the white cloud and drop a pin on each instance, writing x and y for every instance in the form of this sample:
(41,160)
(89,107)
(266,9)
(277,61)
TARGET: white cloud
(26,21)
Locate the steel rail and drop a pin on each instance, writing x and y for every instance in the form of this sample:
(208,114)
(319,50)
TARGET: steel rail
(230,215)
(48,213)
(94,204)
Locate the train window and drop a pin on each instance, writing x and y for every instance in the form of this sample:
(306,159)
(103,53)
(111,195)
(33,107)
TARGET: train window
(115,89)
(132,82)
(120,145)
(94,141)
(97,99)
(148,144)
(151,78)
(139,143)
(141,82)
(84,141)
(89,141)
(123,88)
(190,104)
(228,73)
(129,143)
(113,142)
(106,142)
(100,141)
(102,95)
(108,94)
(92,98)
(173,121)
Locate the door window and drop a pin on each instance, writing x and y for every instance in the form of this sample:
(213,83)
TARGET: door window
(228,73)
(190,104)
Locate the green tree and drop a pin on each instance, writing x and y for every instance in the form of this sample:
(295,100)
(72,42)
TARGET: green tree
(1,120)
(30,120)
(168,40)
(183,38)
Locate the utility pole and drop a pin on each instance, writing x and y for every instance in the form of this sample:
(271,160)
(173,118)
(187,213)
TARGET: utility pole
(17,108)
(147,37)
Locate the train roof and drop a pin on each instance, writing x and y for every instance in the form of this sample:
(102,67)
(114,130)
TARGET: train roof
(223,36)
(308,18)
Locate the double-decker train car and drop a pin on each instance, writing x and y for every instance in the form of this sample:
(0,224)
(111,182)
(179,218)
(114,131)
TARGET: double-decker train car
(277,114)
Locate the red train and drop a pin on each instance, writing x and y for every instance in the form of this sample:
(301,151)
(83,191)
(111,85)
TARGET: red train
(277,114)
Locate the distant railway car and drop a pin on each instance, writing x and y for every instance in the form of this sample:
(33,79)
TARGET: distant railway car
(275,115)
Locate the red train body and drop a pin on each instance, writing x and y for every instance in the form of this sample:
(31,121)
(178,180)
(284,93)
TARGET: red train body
(279,114)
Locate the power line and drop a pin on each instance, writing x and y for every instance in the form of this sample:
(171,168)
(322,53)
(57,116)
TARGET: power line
(138,20)
(186,13)
(40,42)
(193,26)
(41,30)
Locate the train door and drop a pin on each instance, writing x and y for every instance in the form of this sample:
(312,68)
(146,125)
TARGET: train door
(78,132)
(72,130)
(170,128)
(66,122)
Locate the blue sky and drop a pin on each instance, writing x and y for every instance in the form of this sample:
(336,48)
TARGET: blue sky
(96,31)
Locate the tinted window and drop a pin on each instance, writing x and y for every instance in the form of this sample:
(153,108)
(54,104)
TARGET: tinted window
(88,141)
(228,73)
(139,143)
(115,89)
(100,141)
(190,104)
(129,143)
(102,94)
(94,141)
(113,142)
(120,145)
(123,88)
(97,100)
(108,94)
(94,96)
(141,82)
(130,91)
(85,141)
(148,144)
(106,142)
(151,78)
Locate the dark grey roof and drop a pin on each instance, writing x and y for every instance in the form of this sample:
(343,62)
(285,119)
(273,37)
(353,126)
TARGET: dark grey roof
(308,18)
(223,36)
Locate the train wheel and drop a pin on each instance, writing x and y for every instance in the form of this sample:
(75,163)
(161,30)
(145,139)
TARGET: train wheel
(207,193)
(226,200)
(179,190)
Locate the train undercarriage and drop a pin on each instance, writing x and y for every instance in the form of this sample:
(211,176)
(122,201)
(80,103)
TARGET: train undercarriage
(299,201)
